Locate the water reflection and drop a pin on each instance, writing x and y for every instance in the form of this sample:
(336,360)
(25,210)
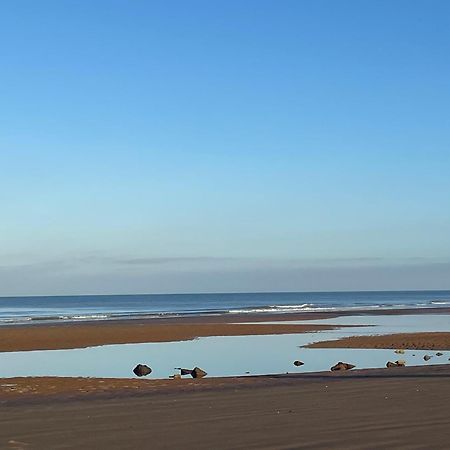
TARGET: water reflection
(226,356)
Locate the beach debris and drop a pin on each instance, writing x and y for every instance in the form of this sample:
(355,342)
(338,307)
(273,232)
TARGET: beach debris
(184,371)
(400,351)
(141,370)
(439,354)
(198,373)
(399,363)
(342,366)
(427,357)
(298,363)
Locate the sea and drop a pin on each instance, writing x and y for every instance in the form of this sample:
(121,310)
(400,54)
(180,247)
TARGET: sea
(20,310)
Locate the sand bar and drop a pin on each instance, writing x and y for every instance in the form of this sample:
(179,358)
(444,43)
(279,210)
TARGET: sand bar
(47,337)
(407,341)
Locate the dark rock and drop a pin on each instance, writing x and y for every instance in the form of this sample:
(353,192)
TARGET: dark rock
(141,370)
(298,363)
(184,371)
(342,366)
(400,363)
(427,357)
(439,354)
(198,373)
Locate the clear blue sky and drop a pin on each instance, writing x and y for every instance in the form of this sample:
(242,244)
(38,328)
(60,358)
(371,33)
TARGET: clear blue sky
(155,146)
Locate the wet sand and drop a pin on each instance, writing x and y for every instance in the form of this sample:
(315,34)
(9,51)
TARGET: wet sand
(407,341)
(89,334)
(50,337)
(382,408)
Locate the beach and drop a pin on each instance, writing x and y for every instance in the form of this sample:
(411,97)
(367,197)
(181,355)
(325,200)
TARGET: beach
(367,409)
(404,407)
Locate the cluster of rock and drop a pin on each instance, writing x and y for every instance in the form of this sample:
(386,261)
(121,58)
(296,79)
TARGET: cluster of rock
(196,372)
(399,363)
(142,370)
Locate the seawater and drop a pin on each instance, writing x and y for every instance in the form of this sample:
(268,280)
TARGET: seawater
(16,310)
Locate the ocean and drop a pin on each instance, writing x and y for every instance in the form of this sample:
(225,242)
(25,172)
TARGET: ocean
(17,310)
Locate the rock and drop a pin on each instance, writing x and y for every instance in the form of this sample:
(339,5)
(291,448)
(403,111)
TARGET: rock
(198,373)
(427,357)
(439,354)
(399,363)
(342,366)
(298,363)
(141,370)
(176,376)
(184,371)
(400,352)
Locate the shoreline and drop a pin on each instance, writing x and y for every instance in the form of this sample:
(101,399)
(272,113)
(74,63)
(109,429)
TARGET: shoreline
(24,389)
(70,335)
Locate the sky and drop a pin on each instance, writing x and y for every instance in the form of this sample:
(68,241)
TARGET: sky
(227,146)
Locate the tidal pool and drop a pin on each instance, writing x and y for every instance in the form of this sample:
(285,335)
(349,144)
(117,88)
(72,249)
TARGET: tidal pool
(230,355)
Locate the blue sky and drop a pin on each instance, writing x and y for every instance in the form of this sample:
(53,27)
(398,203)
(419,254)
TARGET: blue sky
(224,146)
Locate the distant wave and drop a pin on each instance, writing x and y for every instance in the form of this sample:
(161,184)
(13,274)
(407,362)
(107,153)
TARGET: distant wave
(297,308)
(16,315)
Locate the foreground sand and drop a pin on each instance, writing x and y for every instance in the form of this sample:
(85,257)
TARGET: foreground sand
(412,341)
(406,408)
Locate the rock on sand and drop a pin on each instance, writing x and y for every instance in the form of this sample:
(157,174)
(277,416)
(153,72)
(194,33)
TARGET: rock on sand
(342,366)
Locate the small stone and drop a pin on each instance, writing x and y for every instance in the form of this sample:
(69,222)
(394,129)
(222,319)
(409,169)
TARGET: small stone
(141,370)
(400,351)
(439,354)
(298,363)
(401,363)
(342,366)
(427,357)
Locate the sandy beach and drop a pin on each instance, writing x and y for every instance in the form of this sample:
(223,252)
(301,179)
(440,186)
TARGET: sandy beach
(405,407)
(385,408)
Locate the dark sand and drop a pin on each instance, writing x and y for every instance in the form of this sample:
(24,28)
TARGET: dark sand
(401,408)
